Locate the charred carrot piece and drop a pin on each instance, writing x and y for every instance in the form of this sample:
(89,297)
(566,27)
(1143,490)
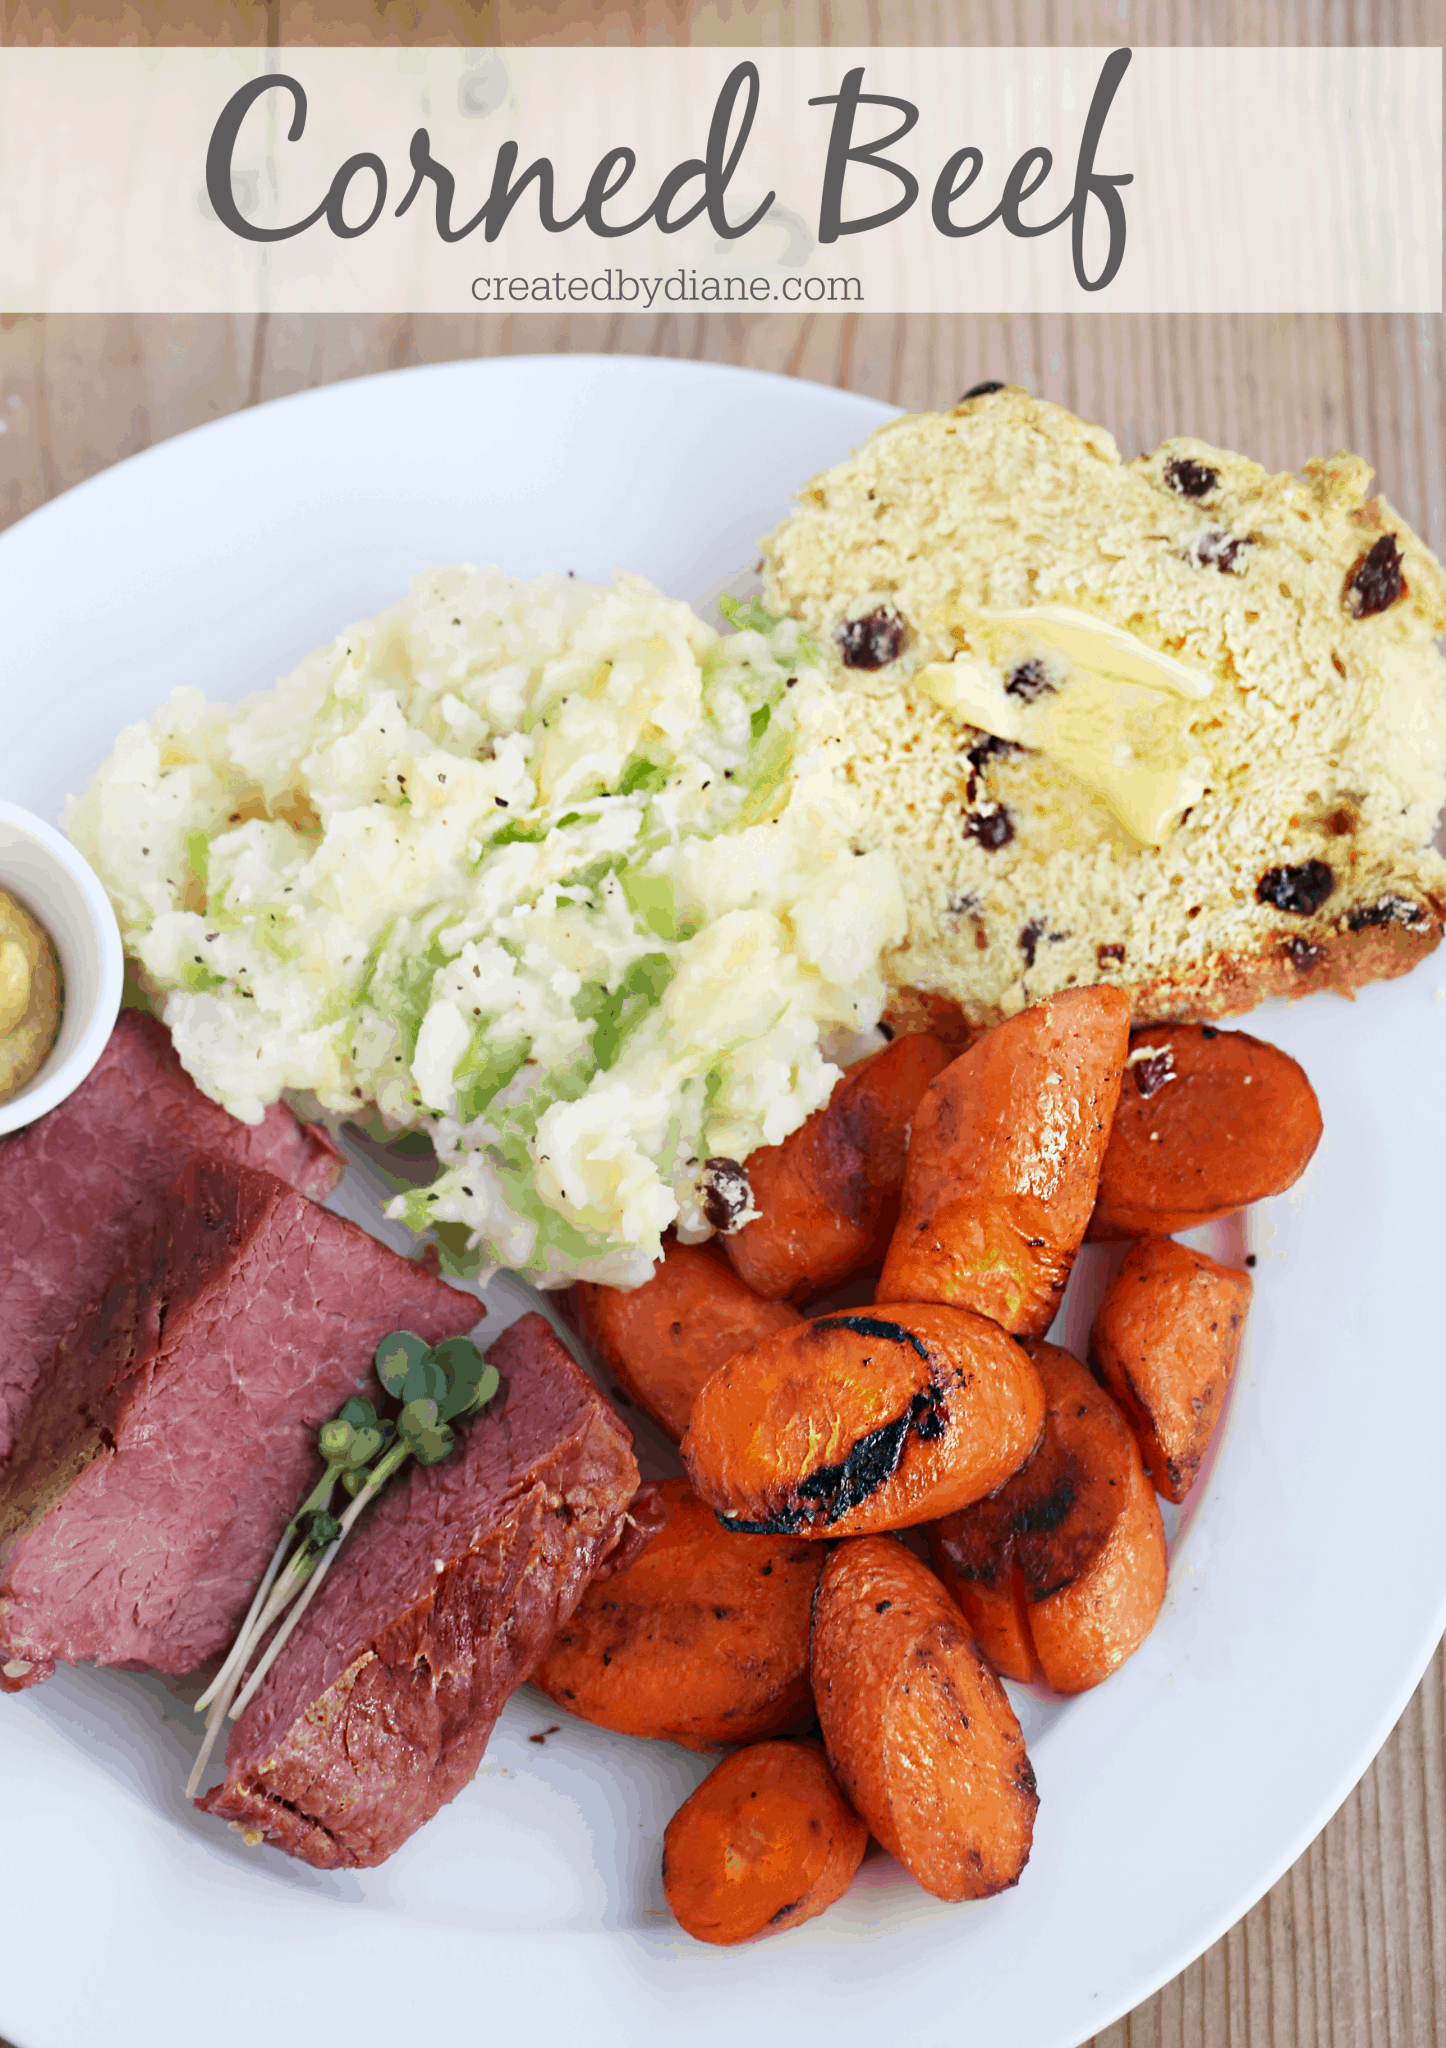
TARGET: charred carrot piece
(1081,1522)
(828,1196)
(876,1419)
(1004,1161)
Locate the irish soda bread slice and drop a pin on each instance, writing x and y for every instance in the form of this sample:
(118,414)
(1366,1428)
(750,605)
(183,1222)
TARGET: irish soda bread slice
(1174,724)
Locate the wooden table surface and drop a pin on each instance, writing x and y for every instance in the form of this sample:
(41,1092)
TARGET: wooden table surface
(1349,1949)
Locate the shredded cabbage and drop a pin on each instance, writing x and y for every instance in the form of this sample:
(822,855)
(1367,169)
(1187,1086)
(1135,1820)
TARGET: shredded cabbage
(551,871)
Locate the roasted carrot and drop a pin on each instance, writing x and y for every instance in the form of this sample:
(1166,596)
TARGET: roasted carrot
(661,1341)
(1004,1159)
(765,1842)
(923,1741)
(828,1196)
(702,1640)
(1081,1522)
(913,1010)
(1164,1342)
(992,1596)
(876,1419)
(1208,1121)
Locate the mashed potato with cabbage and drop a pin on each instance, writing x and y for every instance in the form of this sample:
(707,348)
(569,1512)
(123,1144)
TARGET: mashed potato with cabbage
(551,871)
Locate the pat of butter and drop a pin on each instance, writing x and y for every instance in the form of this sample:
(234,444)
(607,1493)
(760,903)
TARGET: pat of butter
(1097,701)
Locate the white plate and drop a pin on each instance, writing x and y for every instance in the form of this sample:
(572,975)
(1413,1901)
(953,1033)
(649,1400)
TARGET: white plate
(1307,1589)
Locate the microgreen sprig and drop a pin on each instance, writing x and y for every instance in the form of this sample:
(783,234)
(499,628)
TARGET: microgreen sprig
(361,1451)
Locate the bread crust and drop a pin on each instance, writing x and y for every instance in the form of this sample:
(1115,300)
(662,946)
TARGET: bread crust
(1224,988)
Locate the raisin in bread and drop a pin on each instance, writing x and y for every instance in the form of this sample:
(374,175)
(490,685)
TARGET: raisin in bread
(1308,779)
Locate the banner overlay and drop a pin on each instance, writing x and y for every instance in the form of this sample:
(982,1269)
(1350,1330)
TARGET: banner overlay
(734,181)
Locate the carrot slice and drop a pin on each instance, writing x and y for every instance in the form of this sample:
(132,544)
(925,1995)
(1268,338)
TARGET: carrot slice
(1164,1342)
(1081,1522)
(875,1419)
(1004,1160)
(922,1739)
(702,1639)
(994,1605)
(1208,1122)
(828,1196)
(662,1340)
(766,1841)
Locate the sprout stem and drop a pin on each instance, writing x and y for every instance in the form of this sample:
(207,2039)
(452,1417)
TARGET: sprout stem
(249,1633)
(433,1384)
(394,1458)
(278,1641)
(213,1728)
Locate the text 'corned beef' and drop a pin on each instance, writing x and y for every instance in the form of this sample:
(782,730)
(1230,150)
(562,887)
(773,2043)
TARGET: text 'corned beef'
(442,1602)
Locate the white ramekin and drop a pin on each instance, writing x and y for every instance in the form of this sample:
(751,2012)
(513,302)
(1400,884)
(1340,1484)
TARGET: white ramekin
(43,871)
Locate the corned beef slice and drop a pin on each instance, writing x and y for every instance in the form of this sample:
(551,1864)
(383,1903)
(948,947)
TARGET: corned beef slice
(442,1602)
(79,1188)
(164,1454)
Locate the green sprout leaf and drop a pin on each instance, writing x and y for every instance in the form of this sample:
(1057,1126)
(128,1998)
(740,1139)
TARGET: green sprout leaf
(334,1439)
(365,1445)
(427,1381)
(430,1446)
(395,1357)
(422,1430)
(471,1380)
(463,1365)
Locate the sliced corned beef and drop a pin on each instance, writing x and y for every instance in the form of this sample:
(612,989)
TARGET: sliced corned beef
(79,1187)
(443,1600)
(175,1433)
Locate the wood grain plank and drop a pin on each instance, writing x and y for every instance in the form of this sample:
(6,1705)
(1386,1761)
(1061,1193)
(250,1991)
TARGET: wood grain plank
(134,23)
(719,22)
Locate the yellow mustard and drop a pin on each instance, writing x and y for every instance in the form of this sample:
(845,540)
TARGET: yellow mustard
(29,995)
